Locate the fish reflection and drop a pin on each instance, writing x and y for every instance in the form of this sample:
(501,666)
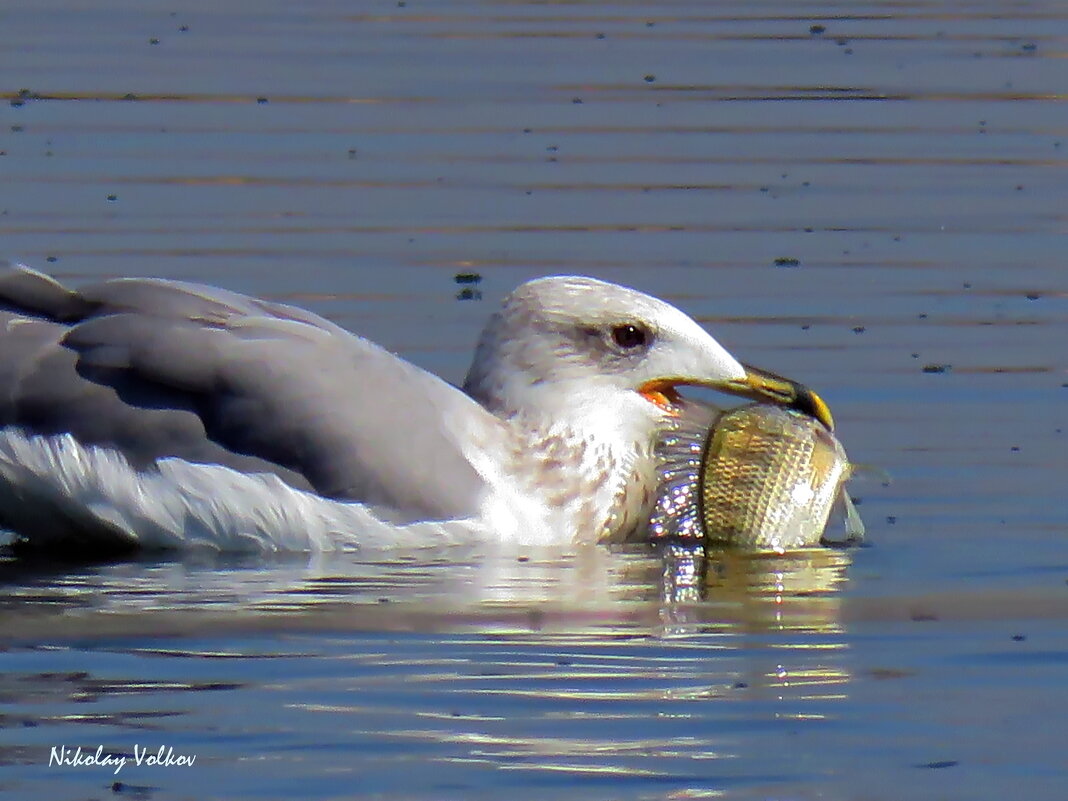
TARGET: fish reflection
(748,597)
(761,591)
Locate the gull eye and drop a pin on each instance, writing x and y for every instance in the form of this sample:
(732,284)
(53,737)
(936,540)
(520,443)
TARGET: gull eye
(630,337)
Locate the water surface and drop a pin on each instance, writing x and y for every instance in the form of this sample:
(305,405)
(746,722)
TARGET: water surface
(869,197)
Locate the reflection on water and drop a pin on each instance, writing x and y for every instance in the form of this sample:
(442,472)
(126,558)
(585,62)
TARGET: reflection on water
(793,591)
(638,663)
(439,587)
(908,156)
(742,595)
(719,599)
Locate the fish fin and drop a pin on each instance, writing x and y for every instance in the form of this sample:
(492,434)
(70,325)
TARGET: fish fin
(870,472)
(853,527)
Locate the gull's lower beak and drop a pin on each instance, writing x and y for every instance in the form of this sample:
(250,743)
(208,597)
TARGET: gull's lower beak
(758,385)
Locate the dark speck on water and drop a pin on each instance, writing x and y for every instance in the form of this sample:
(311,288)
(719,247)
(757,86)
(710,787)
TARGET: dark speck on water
(467,278)
(787,261)
(817,30)
(947,763)
(137,792)
(889,674)
(923,617)
(937,368)
(22,96)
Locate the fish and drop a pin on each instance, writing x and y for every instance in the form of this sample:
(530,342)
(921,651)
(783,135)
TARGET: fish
(758,477)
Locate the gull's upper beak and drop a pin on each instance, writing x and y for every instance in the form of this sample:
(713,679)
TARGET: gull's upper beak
(758,385)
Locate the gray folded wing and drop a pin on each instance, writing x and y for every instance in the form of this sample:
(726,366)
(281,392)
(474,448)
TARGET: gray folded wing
(165,369)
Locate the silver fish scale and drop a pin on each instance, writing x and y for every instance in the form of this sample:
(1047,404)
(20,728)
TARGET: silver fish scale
(676,510)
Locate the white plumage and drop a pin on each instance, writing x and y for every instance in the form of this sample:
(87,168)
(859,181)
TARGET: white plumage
(158,414)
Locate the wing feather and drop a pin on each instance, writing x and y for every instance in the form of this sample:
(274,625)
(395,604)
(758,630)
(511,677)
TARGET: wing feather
(161,368)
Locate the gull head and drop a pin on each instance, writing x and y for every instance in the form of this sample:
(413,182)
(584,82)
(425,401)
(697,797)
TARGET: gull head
(579,349)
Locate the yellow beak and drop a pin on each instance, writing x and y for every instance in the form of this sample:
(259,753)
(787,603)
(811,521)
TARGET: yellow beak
(758,385)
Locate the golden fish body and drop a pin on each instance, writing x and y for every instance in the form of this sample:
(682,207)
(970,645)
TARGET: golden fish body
(762,478)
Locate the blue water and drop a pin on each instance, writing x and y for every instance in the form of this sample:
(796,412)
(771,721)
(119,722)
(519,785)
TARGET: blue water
(353,158)
(570,703)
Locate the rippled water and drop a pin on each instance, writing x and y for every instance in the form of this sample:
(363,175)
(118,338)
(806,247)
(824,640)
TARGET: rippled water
(869,197)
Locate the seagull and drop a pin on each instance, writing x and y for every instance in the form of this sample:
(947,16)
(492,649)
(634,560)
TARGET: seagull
(146,413)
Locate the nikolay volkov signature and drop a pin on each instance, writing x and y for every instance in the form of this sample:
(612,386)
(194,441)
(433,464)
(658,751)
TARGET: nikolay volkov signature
(164,757)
